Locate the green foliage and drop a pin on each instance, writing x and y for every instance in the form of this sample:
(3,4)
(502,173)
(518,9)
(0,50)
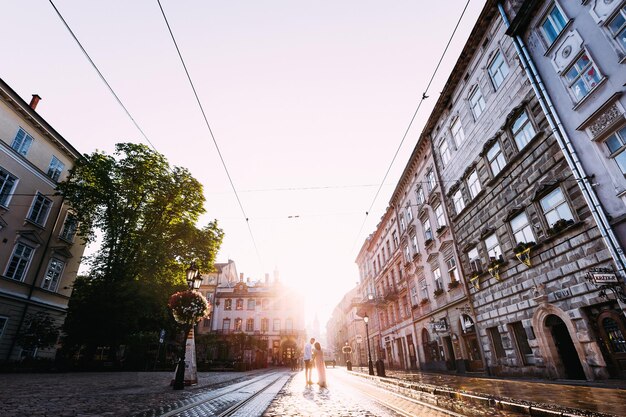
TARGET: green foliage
(145,213)
(39,332)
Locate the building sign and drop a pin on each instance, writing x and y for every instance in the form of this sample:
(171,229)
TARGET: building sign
(561,294)
(603,276)
(440,326)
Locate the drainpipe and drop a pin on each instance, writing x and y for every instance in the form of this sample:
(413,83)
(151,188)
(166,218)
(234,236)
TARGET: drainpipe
(569,152)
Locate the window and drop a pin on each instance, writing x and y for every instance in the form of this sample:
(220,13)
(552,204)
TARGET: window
(39,211)
(441,218)
(493,247)
(582,77)
(414,296)
(498,70)
(438,280)
(206,322)
(228,304)
(276,327)
(419,194)
(444,151)
(615,143)
(474,260)
(18,264)
(473,184)
(521,340)
(457,132)
(239,305)
(407,253)
(69,228)
(56,168)
(226,324)
(430,178)
(553,24)
(265,325)
(265,304)
(395,240)
(7,183)
(617,27)
(523,130)
(496,339)
(53,275)
(428,233)
(409,213)
(238,324)
(453,273)
(522,231)
(555,207)
(414,244)
(495,158)
(22,142)
(251,303)
(402,223)
(388,248)
(250,325)
(459,204)
(423,288)
(477,102)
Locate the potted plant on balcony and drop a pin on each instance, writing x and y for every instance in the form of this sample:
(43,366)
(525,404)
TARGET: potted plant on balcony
(559,226)
(440,229)
(494,267)
(453,284)
(438,292)
(424,301)
(522,252)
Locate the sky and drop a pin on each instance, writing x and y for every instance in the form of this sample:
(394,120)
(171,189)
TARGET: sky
(308,102)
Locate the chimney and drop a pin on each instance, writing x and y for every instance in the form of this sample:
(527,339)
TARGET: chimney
(34,101)
(241,277)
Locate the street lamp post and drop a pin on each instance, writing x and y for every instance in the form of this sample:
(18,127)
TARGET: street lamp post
(194,280)
(370,364)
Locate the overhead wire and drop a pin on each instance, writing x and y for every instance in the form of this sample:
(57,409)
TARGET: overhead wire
(208,125)
(406,132)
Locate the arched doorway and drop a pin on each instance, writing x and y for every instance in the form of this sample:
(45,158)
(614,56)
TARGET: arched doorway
(613,340)
(474,356)
(289,352)
(567,354)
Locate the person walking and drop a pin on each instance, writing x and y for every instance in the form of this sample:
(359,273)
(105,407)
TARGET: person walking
(320,366)
(308,361)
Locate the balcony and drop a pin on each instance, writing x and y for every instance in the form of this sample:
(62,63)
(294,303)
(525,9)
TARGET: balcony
(391,294)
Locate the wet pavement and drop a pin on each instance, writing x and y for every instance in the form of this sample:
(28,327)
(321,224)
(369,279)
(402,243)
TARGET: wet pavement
(603,397)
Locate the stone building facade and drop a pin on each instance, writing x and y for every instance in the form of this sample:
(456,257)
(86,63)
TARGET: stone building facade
(524,228)
(267,310)
(39,252)
(576,52)
(225,272)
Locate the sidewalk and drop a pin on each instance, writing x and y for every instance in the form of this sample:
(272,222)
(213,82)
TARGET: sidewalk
(607,397)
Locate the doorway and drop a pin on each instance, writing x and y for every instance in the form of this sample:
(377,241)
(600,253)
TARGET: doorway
(450,357)
(612,332)
(571,365)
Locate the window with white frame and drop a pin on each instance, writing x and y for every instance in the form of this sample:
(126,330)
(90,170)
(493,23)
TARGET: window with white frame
(239,304)
(553,24)
(3,324)
(7,184)
(495,157)
(498,70)
(276,326)
(474,260)
(437,278)
(617,27)
(555,207)
(457,132)
(238,324)
(265,325)
(20,259)
(428,233)
(582,77)
(453,272)
(419,195)
(407,253)
(414,296)
(69,228)
(616,144)
(250,325)
(477,102)
(228,304)
(423,288)
(53,275)
(523,130)
(522,230)
(457,199)
(493,248)
(251,304)
(402,223)
(56,168)
(39,210)
(430,178)
(441,218)
(22,142)
(226,324)
(394,237)
(409,213)
(444,151)
(414,244)
(473,184)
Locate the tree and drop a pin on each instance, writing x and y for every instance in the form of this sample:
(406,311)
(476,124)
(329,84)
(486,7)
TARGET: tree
(39,332)
(145,213)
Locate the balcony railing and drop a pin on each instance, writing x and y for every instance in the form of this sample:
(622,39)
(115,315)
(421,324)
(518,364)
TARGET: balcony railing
(391,294)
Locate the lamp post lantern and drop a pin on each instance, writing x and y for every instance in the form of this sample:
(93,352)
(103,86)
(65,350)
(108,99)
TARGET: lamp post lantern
(370,364)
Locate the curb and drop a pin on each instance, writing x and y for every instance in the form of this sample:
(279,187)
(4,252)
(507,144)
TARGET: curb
(505,404)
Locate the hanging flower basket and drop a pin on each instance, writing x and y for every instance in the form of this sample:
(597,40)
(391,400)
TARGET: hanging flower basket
(559,226)
(522,252)
(188,307)
(475,281)
(494,269)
